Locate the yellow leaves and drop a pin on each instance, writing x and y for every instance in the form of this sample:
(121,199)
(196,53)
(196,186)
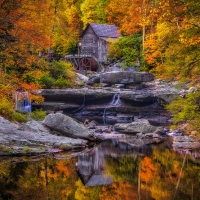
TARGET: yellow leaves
(162,30)
(81,192)
(159,190)
(6,107)
(189,40)
(88,10)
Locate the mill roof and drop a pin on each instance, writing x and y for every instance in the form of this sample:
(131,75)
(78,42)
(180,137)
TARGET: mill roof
(105,30)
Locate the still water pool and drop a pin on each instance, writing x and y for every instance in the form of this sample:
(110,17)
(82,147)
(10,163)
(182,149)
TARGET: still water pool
(113,170)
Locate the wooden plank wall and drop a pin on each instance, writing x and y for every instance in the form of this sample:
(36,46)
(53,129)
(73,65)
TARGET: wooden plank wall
(91,44)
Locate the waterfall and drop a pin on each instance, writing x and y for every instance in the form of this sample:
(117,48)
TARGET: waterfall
(115,99)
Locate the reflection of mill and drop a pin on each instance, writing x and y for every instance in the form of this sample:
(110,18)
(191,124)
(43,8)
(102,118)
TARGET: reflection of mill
(91,168)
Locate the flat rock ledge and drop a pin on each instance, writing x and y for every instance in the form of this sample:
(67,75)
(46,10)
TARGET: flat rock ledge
(185,142)
(33,138)
(141,126)
(188,146)
(125,77)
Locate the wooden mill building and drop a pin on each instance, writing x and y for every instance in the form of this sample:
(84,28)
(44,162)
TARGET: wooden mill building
(93,48)
(96,38)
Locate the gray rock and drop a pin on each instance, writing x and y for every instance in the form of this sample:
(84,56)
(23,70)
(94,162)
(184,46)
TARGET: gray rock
(7,126)
(125,77)
(74,95)
(68,126)
(131,69)
(33,126)
(141,126)
(144,97)
(94,79)
(82,77)
(160,91)
(185,142)
(33,138)
(116,68)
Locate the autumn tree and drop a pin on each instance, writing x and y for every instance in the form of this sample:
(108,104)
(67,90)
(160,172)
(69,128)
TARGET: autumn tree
(66,26)
(93,11)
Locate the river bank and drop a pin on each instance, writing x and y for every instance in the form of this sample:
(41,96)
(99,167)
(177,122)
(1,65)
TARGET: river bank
(137,111)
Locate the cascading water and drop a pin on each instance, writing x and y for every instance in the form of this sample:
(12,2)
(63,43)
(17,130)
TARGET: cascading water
(114,102)
(115,99)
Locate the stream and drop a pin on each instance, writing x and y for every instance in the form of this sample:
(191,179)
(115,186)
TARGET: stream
(119,169)
(111,170)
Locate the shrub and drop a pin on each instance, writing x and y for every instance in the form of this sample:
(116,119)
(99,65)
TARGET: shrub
(61,82)
(6,107)
(61,69)
(126,49)
(47,81)
(186,110)
(19,117)
(38,114)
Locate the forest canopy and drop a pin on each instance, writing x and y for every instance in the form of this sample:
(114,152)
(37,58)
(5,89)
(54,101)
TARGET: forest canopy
(168,38)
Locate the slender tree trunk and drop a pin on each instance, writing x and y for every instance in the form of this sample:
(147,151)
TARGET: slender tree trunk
(179,178)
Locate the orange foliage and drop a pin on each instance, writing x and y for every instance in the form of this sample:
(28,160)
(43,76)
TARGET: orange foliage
(32,21)
(117,191)
(148,170)
(152,52)
(131,15)
(61,166)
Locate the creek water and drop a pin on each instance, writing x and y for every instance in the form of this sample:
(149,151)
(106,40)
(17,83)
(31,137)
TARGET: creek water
(111,170)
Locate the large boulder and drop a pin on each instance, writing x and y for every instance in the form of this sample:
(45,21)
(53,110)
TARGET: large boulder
(95,78)
(7,126)
(126,77)
(67,126)
(141,126)
(33,138)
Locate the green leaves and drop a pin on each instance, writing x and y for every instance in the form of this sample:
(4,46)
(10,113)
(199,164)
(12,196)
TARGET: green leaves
(127,49)
(187,110)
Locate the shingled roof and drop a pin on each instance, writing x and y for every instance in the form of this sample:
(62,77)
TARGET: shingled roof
(105,30)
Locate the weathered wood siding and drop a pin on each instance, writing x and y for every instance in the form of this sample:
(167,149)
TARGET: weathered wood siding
(91,44)
(102,50)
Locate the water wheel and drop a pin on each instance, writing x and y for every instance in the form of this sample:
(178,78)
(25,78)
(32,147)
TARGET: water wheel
(88,64)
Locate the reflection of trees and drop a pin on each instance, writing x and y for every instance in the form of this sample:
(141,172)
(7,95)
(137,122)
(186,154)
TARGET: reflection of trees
(123,169)
(161,174)
(9,178)
(38,180)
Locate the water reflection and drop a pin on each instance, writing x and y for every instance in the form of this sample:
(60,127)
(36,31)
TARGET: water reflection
(91,168)
(113,170)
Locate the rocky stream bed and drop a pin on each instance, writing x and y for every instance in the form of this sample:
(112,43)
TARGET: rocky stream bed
(83,117)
